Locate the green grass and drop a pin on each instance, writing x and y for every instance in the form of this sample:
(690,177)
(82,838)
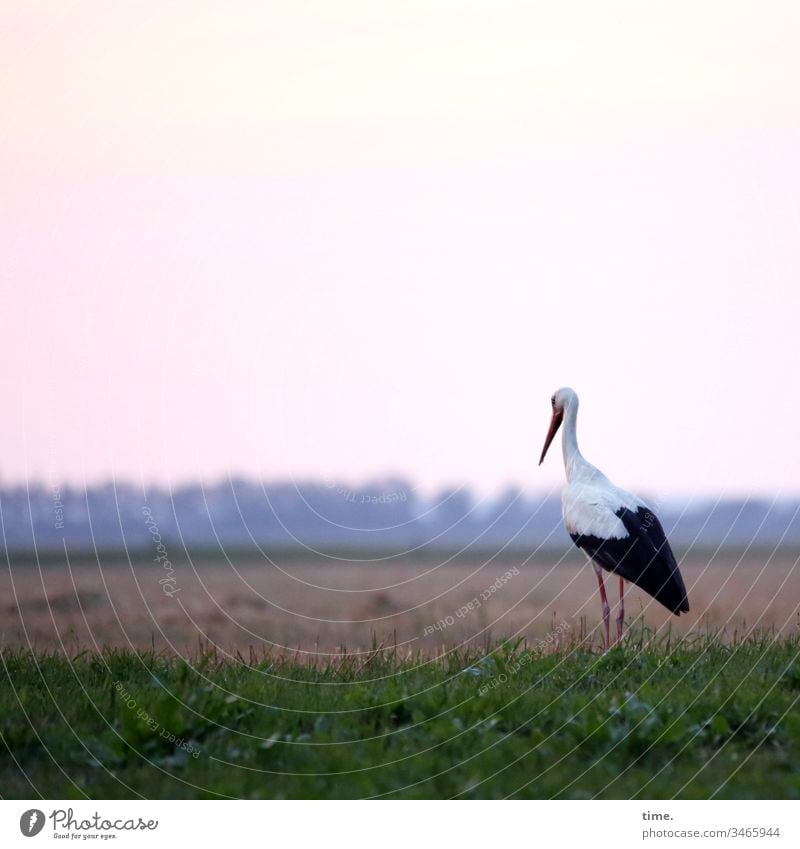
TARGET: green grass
(691,719)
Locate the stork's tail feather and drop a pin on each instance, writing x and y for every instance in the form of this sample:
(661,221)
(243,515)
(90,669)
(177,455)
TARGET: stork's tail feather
(673,594)
(643,557)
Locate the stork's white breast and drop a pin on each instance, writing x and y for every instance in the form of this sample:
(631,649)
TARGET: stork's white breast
(590,508)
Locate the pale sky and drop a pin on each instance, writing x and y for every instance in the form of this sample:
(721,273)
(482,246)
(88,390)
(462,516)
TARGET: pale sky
(355,238)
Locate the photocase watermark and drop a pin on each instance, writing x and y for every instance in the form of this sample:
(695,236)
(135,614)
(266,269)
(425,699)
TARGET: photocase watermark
(58,506)
(354,496)
(649,520)
(169,583)
(154,724)
(474,604)
(513,667)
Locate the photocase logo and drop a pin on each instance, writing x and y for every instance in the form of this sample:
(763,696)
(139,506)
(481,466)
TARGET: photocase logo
(31,822)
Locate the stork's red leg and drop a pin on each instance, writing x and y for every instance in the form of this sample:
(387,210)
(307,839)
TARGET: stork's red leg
(621,612)
(604,600)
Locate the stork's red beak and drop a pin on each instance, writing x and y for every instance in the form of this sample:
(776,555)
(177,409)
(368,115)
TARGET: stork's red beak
(555,424)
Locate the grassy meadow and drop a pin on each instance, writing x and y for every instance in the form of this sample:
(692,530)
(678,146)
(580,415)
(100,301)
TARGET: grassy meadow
(693,719)
(311,679)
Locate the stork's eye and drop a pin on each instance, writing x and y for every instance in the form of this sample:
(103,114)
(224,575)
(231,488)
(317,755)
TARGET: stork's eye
(553,400)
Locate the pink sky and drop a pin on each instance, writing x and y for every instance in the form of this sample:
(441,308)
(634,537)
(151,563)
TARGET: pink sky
(350,239)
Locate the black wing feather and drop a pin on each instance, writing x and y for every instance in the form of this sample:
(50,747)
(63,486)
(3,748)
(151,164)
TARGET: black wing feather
(644,558)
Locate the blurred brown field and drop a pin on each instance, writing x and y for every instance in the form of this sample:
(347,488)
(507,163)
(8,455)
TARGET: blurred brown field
(317,606)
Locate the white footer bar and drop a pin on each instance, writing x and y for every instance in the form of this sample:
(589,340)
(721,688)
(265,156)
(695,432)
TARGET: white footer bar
(401,824)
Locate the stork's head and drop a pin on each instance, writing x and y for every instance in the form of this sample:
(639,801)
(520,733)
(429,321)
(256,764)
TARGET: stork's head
(561,400)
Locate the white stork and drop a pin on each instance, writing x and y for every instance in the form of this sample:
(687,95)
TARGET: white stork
(617,531)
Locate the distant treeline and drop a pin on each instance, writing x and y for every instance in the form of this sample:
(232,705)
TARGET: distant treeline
(385,514)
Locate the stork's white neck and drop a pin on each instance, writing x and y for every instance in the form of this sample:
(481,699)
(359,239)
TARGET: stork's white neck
(575,464)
